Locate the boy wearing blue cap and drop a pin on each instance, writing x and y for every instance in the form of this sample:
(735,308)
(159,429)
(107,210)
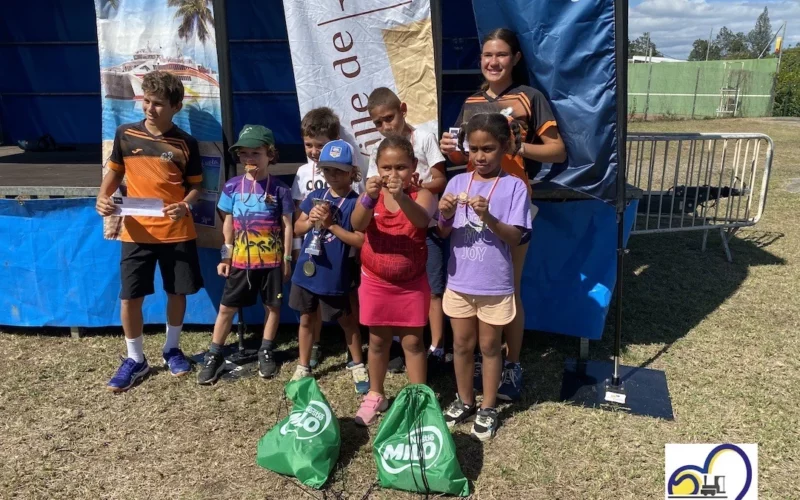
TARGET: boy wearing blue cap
(322,279)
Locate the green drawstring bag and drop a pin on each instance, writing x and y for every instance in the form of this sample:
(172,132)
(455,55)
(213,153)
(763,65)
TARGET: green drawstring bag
(306,443)
(414,450)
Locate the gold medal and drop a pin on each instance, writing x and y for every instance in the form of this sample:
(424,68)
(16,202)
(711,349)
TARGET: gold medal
(309,268)
(462,198)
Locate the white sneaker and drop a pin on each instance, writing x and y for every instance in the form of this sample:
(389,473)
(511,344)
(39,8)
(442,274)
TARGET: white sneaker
(360,377)
(301,372)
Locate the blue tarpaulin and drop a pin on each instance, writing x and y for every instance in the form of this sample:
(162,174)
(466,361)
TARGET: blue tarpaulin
(569,51)
(57,270)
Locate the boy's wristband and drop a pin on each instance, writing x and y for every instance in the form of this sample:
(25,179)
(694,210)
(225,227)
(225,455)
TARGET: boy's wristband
(368,202)
(226,252)
(444,222)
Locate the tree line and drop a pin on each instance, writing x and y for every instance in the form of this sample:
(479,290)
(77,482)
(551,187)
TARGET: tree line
(726,45)
(730,45)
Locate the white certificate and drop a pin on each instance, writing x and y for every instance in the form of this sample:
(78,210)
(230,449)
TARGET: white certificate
(148,207)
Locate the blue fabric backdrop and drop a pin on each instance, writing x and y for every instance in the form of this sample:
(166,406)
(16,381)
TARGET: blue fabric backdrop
(57,270)
(569,50)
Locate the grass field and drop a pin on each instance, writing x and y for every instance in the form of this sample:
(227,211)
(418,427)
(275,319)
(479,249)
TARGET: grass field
(725,334)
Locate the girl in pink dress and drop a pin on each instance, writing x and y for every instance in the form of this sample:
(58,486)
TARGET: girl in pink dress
(393,214)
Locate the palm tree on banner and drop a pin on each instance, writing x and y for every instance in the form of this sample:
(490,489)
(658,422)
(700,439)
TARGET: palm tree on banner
(106,8)
(195,16)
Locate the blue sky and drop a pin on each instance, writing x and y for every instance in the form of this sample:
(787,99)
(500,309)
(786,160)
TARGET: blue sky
(675,24)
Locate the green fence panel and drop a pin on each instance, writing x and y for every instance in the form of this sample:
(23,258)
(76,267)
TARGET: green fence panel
(705,89)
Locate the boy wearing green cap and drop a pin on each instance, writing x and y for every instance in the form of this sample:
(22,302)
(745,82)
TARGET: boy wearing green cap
(256,256)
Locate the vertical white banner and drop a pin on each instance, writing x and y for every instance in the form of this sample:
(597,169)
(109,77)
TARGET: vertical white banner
(344,49)
(136,37)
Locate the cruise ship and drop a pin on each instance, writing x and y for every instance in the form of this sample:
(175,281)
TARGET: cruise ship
(125,80)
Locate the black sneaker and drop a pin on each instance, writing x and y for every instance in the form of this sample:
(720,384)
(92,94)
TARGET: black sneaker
(485,426)
(267,367)
(397,363)
(458,412)
(213,367)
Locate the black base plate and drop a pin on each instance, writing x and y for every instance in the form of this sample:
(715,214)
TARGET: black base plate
(645,390)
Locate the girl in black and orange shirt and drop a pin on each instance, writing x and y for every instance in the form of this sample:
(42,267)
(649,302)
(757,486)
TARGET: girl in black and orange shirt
(502,92)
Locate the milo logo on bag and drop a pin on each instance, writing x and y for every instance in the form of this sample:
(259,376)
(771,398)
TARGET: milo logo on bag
(308,423)
(403,452)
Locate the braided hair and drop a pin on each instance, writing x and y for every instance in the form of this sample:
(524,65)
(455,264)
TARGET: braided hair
(507,132)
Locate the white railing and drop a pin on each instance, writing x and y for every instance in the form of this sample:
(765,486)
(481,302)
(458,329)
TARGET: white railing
(699,182)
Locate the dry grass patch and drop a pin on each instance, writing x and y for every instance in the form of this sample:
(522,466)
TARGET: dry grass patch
(726,335)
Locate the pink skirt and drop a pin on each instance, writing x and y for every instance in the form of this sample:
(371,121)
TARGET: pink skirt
(385,304)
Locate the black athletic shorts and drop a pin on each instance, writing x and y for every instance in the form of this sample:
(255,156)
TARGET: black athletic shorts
(243,286)
(332,307)
(355,273)
(179,264)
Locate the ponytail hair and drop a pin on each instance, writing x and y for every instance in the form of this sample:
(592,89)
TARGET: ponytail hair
(506,131)
(519,74)
(462,134)
(516,135)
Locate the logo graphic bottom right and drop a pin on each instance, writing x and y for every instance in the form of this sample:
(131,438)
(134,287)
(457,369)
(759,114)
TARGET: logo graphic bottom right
(711,471)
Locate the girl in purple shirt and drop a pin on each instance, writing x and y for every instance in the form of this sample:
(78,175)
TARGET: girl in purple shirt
(485,213)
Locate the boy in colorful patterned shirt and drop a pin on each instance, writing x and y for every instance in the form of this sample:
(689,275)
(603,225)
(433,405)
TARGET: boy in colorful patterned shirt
(256,256)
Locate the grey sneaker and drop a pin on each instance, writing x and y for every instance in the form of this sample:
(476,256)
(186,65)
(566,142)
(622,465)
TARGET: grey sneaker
(267,367)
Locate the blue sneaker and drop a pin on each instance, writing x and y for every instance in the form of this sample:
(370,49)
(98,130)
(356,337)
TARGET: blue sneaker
(511,383)
(176,362)
(477,375)
(127,374)
(360,377)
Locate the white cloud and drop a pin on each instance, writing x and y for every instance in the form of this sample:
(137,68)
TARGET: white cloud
(675,24)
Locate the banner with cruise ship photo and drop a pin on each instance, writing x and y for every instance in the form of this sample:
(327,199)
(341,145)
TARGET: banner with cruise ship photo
(139,36)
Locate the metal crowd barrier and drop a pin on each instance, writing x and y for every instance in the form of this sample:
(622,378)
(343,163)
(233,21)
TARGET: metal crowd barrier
(699,182)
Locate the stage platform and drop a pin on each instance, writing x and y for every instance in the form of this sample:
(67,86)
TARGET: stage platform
(57,174)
